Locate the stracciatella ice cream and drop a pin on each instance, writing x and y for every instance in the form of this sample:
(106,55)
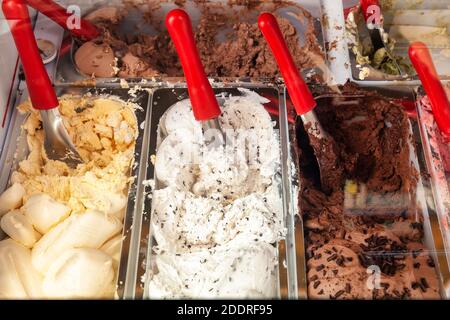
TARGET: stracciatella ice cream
(64,225)
(217,210)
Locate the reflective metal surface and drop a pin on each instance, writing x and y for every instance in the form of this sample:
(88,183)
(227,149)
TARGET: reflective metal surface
(213,133)
(17,150)
(423,199)
(57,142)
(315,130)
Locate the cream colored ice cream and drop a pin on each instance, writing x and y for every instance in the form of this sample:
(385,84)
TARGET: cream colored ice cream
(18,279)
(11,198)
(217,212)
(80,273)
(64,224)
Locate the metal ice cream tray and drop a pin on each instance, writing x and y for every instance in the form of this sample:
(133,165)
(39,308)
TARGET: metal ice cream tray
(16,150)
(423,197)
(67,72)
(163,98)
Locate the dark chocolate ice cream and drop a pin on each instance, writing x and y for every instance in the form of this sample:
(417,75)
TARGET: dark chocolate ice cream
(364,240)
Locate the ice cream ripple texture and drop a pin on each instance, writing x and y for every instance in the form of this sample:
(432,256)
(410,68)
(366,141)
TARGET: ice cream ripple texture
(64,225)
(217,210)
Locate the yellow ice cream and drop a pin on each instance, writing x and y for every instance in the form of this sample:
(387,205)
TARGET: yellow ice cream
(104,132)
(69,218)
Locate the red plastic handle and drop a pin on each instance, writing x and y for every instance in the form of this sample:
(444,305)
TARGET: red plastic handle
(349,9)
(368,10)
(39,85)
(297,88)
(54,11)
(203,99)
(422,62)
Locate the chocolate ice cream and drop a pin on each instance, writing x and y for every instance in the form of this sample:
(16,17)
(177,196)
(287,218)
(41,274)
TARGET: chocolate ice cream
(96,59)
(364,240)
(230,46)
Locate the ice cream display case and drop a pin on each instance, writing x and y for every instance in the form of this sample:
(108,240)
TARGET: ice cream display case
(76,224)
(377,235)
(226,33)
(215,216)
(162,210)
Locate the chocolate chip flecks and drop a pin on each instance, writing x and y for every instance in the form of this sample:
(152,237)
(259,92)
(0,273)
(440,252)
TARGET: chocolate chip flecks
(338,294)
(348,287)
(424,282)
(320,268)
(316,284)
(332,257)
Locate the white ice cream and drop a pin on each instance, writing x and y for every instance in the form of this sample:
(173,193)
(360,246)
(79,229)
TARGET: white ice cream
(217,210)
(19,228)
(235,270)
(11,198)
(44,212)
(18,279)
(86,230)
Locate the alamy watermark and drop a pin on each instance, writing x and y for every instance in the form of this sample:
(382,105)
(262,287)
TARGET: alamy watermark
(73,22)
(374,17)
(374,280)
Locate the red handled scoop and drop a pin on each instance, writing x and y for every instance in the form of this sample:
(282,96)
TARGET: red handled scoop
(204,102)
(371,10)
(422,62)
(304,103)
(57,143)
(85,31)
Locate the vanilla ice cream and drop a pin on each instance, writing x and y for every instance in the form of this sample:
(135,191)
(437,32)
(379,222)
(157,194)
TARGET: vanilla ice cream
(64,225)
(217,209)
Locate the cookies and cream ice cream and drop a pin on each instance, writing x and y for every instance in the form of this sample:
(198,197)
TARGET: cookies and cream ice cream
(217,209)
(365,240)
(63,223)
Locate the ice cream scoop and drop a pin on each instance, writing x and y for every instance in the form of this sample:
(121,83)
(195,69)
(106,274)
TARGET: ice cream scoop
(203,100)
(422,62)
(58,144)
(371,10)
(299,93)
